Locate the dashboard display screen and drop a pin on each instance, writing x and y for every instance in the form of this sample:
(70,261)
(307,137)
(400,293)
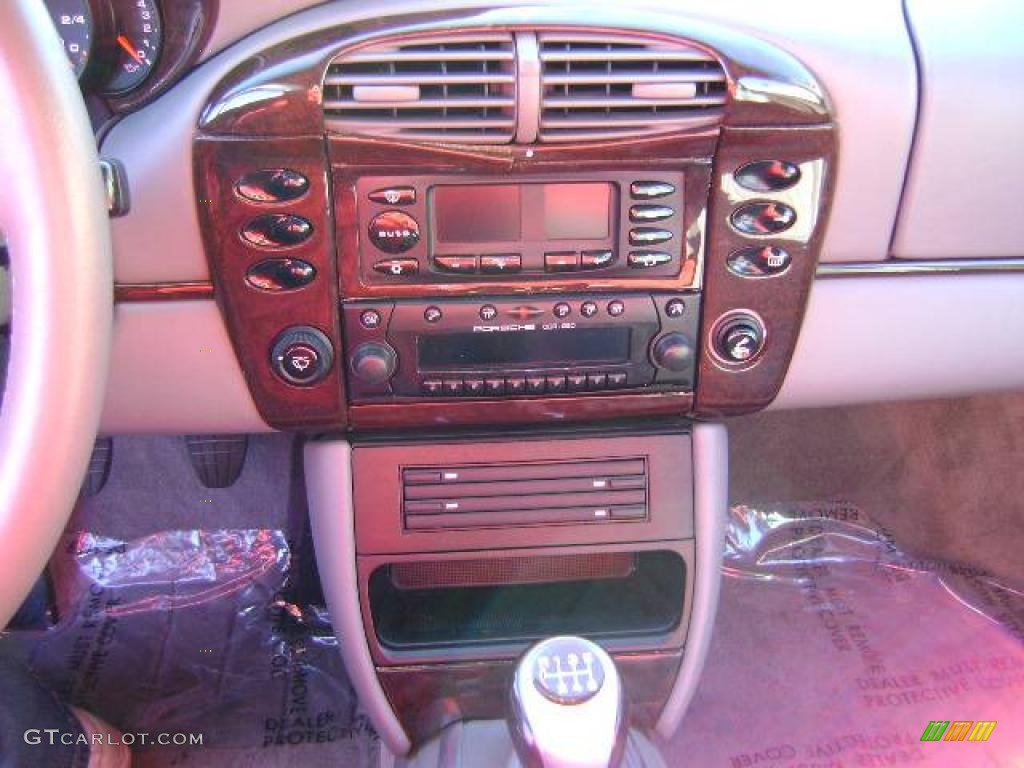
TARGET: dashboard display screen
(526,349)
(576,211)
(473,213)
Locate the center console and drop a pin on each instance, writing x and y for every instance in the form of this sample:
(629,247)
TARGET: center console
(509,263)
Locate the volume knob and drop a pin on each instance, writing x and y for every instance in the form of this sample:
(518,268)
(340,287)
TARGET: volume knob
(374,362)
(673,351)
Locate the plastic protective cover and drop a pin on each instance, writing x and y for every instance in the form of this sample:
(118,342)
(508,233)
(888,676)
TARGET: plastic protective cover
(835,649)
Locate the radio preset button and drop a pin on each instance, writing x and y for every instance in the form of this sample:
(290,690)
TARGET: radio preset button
(501,263)
(576,382)
(515,385)
(644,213)
(648,236)
(616,308)
(647,259)
(431,387)
(370,318)
(452,387)
(535,385)
(394,196)
(494,386)
(588,308)
(488,312)
(394,231)
(675,308)
(649,190)
(561,261)
(473,387)
(597,259)
(768,175)
(397,267)
(561,309)
(556,384)
(432,314)
(617,379)
(763,218)
(463,265)
(597,380)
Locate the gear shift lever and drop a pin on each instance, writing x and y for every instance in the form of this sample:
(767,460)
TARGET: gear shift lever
(568,708)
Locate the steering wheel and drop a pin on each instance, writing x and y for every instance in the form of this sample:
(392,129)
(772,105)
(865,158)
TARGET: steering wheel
(54,217)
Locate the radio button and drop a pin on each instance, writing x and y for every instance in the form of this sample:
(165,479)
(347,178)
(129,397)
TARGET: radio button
(647,259)
(675,308)
(768,175)
(597,380)
(432,314)
(494,386)
(370,319)
(394,231)
(648,236)
(397,267)
(501,263)
(588,308)
(616,308)
(535,385)
(452,387)
(473,387)
(597,259)
(463,265)
(649,190)
(515,385)
(488,312)
(561,310)
(394,196)
(576,382)
(556,384)
(617,379)
(763,218)
(431,387)
(643,213)
(561,261)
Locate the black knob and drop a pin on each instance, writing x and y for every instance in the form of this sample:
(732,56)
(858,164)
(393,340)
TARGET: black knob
(739,340)
(374,362)
(302,355)
(673,351)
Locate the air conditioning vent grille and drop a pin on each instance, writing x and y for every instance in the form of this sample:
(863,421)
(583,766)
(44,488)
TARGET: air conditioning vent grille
(450,89)
(597,86)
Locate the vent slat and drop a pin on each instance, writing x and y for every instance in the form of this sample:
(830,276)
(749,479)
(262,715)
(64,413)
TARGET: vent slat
(461,88)
(598,86)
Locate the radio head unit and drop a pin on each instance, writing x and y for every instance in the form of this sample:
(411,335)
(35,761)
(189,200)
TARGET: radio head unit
(443,229)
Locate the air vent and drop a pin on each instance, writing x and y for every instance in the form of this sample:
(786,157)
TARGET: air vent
(449,89)
(597,86)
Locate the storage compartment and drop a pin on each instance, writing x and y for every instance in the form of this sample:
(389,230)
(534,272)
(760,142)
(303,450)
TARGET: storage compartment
(601,599)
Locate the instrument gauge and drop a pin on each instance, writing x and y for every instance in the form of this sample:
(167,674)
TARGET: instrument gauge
(138,41)
(74,23)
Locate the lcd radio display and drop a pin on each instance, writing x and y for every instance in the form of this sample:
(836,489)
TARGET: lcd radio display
(523,349)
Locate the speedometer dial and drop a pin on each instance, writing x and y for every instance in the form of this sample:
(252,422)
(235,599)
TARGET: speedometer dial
(139,39)
(73,20)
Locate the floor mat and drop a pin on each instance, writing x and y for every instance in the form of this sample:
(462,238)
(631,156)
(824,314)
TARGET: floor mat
(834,649)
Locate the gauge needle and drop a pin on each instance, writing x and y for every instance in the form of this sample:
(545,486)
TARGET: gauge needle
(125,43)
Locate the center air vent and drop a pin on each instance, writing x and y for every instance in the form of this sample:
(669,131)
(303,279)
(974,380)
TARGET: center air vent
(453,89)
(597,86)
(497,87)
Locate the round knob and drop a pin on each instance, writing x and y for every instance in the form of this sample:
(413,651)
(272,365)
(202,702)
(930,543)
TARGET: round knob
(374,362)
(739,340)
(673,352)
(302,355)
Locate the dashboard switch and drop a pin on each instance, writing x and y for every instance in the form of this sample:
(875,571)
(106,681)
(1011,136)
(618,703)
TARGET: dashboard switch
(647,259)
(280,274)
(397,267)
(561,261)
(501,263)
(597,259)
(739,339)
(759,262)
(462,265)
(673,352)
(394,196)
(374,361)
(277,230)
(640,214)
(394,231)
(272,185)
(763,218)
(648,236)
(302,355)
(650,190)
(768,175)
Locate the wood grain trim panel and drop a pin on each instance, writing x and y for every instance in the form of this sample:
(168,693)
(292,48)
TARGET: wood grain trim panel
(186,291)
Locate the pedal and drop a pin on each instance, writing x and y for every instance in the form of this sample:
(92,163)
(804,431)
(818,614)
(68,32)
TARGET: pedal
(217,459)
(99,466)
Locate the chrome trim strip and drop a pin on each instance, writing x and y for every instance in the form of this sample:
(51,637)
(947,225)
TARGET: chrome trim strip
(930,267)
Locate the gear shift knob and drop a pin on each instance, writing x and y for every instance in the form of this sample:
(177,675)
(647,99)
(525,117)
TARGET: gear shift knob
(567,706)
